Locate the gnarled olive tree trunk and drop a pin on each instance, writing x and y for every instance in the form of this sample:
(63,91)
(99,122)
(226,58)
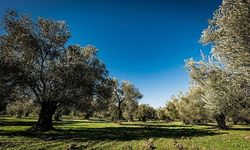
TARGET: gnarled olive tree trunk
(44,122)
(221,121)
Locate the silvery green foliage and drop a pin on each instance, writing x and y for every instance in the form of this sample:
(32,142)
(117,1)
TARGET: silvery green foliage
(191,107)
(161,113)
(188,107)
(132,96)
(172,107)
(212,78)
(21,108)
(229,33)
(224,93)
(225,75)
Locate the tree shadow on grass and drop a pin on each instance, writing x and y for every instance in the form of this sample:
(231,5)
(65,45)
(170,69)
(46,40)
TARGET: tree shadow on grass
(16,123)
(240,129)
(136,133)
(155,125)
(230,128)
(30,123)
(122,133)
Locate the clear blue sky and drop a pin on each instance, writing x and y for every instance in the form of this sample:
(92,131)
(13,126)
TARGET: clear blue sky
(144,41)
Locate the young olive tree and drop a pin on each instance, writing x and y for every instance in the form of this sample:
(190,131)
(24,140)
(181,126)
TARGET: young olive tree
(126,97)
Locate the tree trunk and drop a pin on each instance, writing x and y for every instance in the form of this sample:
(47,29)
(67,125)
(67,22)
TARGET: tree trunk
(87,116)
(144,119)
(27,114)
(44,122)
(3,106)
(131,118)
(221,121)
(119,112)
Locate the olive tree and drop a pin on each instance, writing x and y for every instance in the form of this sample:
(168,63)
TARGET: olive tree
(228,33)
(103,104)
(223,92)
(126,97)
(172,108)
(225,74)
(191,106)
(34,55)
(22,108)
(162,115)
(146,112)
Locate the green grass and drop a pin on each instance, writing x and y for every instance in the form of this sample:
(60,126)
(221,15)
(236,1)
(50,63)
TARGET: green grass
(96,134)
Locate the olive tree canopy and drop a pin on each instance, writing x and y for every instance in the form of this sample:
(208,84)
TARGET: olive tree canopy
(34,55)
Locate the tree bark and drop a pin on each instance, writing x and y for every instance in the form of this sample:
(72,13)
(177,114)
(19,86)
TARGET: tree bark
(131,118)
(3,106)
(88,113)
(119,112)
(27,114)
(44,122)
(221,121)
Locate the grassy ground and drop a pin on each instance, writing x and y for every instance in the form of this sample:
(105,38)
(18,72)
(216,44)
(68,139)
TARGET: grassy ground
(96,134)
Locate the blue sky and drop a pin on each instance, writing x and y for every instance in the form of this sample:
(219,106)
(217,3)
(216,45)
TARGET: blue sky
(143,41)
